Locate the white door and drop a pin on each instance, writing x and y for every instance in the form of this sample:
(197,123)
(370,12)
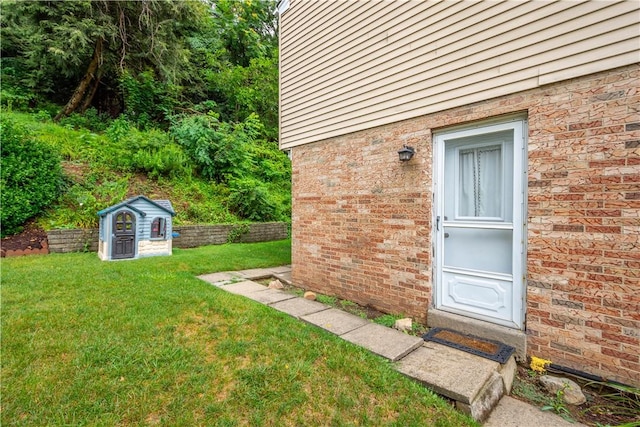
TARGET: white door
(479,226)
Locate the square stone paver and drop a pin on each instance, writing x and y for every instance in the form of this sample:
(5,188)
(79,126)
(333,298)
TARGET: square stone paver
(284,277)
(384,341)
(270,296)
(335,321)
(256,273)
(281,269)
(221,278)
(244,288)
(299,307)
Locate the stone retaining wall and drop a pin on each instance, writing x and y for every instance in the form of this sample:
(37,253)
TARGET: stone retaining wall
(190,236)
(77,240)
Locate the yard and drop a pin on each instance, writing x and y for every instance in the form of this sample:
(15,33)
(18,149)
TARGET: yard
(144,342)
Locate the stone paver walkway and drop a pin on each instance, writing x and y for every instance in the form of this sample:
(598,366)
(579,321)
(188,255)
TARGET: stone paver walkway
(476,384)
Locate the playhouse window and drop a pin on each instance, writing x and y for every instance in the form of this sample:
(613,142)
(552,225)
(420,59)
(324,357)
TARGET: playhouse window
(158,228)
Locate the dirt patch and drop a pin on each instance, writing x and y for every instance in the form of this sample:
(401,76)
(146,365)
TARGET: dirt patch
(33,240)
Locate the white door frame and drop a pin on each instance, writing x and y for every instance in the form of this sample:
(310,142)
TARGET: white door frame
(519,126)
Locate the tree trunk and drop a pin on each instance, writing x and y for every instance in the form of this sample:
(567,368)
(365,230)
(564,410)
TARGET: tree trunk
(87,99)
(81,90)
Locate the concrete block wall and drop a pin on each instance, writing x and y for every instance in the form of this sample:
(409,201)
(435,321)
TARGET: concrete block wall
(362,220)
(191,236)
(79,240)
(200,235)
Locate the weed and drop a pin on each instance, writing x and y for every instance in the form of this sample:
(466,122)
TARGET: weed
(529,392)
(625,400)
(558,406)
(327,299)
(387,320)
(352,308)
(237,231)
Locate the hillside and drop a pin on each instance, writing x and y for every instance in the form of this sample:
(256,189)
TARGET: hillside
(211,172)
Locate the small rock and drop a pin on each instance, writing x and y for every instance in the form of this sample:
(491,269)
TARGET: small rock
(403,325)
(276,284)
(572,393)
(310,296)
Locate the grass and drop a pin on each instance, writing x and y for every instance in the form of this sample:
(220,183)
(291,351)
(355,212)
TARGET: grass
(144,342)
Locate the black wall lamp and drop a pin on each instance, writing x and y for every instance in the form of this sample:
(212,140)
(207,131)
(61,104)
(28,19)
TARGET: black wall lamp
(406,153)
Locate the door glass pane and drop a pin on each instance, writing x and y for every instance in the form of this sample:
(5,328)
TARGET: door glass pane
(480,182)
(478,178)
(478,249)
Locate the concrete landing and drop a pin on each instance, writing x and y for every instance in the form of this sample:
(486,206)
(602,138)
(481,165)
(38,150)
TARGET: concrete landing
(474,383)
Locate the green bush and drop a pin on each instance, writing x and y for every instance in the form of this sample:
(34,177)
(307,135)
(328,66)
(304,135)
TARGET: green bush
(250,200)
(147,101)
(218,149)
(152,151)
(168,161)
(91,120)
(30,178)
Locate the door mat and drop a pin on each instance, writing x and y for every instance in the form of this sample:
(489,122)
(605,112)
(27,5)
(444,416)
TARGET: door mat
(492,350)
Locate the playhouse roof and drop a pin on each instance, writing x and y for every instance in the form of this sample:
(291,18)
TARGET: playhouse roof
(165,205)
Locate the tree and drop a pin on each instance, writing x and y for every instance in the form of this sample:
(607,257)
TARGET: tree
(87,41)
(242,76)
(248,29)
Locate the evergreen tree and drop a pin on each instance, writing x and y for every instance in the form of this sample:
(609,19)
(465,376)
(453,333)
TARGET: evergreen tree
(87,42)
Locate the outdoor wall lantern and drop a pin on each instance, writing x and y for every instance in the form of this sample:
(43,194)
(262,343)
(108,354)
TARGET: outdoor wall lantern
(406,153)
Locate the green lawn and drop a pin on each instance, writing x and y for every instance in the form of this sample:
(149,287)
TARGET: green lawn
(144,342)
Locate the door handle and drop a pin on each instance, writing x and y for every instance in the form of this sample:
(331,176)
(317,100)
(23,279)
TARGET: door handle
(446,235)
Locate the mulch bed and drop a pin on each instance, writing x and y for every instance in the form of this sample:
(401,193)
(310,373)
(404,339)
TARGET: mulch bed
(33,240)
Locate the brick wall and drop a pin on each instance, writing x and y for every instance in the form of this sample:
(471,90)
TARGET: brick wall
(190,236)
(362,220)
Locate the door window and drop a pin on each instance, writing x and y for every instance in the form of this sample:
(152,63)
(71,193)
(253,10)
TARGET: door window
(480,181)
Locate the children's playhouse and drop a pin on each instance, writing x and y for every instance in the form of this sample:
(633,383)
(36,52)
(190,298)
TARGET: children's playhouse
(137,227)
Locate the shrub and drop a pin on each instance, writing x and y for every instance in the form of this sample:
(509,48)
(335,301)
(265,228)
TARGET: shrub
(168,161)
(147,101)
(152,152)
(30,178)
(91,120)
(218,149)
(250,200)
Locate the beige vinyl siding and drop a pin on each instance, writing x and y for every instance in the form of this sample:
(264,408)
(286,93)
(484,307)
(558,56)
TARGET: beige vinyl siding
(351,65)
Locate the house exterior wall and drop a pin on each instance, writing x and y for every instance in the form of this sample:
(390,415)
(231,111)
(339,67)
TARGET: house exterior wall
(352,65)
(362,221)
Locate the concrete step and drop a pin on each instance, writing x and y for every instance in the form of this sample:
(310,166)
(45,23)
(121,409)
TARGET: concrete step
(474,383)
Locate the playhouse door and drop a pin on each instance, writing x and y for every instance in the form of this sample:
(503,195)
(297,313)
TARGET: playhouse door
(478,223)
(124,235)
